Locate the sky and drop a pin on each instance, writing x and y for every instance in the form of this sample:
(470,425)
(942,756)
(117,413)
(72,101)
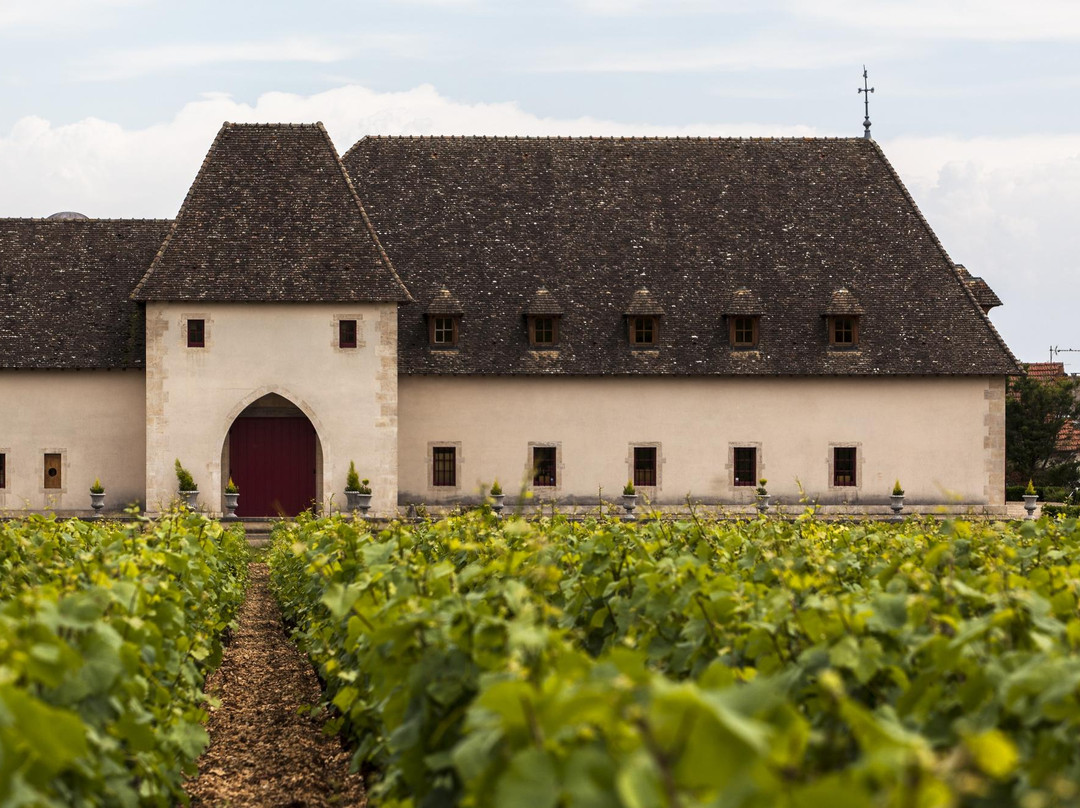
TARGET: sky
(108,107)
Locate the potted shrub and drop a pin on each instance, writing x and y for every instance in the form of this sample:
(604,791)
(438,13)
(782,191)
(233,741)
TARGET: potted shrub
(189,491)
(629,500)
(1031,496)
(352,488)
(232,497)
(97,496)
(762,495)
(363,496)
(497,497)
(896,499)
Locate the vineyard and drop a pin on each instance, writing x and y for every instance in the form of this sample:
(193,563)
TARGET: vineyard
(478,662)
(106,632)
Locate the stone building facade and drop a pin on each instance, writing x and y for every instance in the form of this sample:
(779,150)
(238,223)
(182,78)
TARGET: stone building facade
(563,315)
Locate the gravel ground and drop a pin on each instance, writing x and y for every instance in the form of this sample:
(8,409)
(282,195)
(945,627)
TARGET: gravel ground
(264,750)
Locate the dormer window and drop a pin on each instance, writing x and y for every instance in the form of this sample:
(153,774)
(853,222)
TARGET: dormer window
(842,317)
(643,330)
(844,331)
(543,313)
(743,312)
(444,331)
(444,320)
(543,330)
(643,320)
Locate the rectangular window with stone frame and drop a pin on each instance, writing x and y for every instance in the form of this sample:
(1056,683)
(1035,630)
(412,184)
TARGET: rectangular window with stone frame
(544,463)
(3,470)
(444,466)
(844,466)
(346,333)
(745,465)
(196,333)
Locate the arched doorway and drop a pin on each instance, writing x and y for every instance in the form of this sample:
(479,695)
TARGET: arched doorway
(273,457)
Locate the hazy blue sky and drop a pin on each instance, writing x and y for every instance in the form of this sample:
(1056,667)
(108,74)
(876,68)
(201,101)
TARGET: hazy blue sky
(108,106)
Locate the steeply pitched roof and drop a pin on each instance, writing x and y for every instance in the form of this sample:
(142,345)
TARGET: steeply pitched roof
(65,288)
(984,295)
(271,217)
(691,220)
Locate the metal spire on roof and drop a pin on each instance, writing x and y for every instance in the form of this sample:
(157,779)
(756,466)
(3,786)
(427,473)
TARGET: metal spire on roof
(866,103)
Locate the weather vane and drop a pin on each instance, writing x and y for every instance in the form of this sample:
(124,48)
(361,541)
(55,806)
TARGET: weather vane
(866,103)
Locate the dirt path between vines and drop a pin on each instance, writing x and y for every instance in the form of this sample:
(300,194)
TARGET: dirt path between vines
(263,750)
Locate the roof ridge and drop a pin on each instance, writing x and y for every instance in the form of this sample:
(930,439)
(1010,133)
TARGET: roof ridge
(944,254)
(363,213)
(225,127)
(630,138)
(89,220)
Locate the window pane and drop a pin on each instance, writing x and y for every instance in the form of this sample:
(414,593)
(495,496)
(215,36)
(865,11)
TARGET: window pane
(644,330)
(196,333)
(744,331)
(843,331)
(544,465)
(444,465)
(644,465)
(543,330)
(443,331)
(347,333)
(3,471)
(844,465)
(745,465)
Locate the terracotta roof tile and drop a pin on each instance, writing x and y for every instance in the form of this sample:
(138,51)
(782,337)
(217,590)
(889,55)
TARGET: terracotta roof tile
(692,220)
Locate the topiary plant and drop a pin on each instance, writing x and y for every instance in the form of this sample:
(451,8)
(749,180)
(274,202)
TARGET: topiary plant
(352,481)
(364,487)
(628,489)
(496,489)
(897,491)
(184,479)
(97,487)
(1030,490)
(761,490)
(231,488)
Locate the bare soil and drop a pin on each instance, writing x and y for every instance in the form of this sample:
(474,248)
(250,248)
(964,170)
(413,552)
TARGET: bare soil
(266,746)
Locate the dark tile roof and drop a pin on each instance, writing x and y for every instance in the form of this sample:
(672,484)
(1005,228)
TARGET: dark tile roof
(64,291)
(543,303)
(745,303)
(444,303)
(691,220)
(643,304)
(984,295)
(271,217)
(843,301)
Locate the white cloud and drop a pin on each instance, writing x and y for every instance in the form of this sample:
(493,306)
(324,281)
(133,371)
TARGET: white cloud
(774,51)
(119,64)
(67,13)
(995,20)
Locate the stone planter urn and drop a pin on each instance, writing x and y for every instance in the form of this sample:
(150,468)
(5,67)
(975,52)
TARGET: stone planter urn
(352,500)
(1029,505)
(762,503)
(498,503)
(896,502)
(231,501)
(363,502)
(190,498)
(97,502)
(629,502)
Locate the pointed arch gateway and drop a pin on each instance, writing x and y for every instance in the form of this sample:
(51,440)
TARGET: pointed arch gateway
(274,455)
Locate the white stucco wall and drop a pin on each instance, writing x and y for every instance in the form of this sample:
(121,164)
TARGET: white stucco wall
(194,394)
(943,437)
(92,418)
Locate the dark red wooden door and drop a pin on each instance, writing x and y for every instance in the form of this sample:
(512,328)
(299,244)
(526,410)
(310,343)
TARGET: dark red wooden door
(272,462)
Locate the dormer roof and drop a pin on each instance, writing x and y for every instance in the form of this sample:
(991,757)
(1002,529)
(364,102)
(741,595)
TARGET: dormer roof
(743,303)
(844,303)
(542,304)
(643,304)
(444,304)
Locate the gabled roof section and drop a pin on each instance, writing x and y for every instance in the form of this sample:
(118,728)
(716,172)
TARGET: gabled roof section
(691,219)
(844,302)
(984,295)
(542,304)
(643,304)
(272,217)
(743,303)
(444,304)
(65,287)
